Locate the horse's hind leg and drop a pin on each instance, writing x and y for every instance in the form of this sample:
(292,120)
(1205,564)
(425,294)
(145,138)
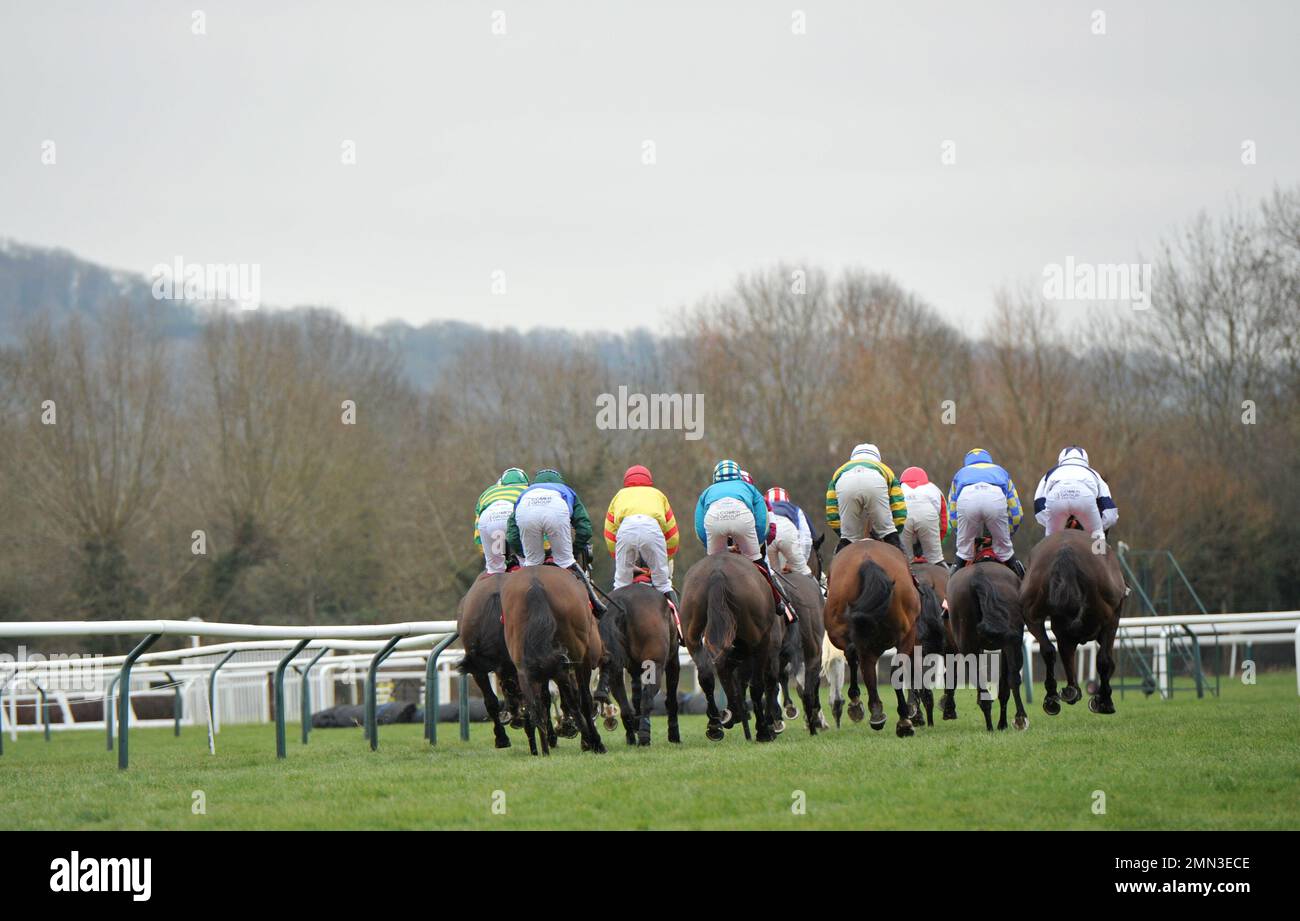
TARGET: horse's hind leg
(708,682)
(868,664)
(835,676)
(1004,690)
(493,708)
(811,693)
(649,688)
(855,693)
(1101,702)
(626,711)
(1051,700)
(587,710)
(672,670)
(1070,693)
(1014,655)
(900,677)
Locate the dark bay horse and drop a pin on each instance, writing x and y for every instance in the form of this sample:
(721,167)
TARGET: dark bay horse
(552,636)
(727,618)
(801,650)
(871,605)
(984,603)
(1082,592)
(933,633)
(478,621)
(640,638)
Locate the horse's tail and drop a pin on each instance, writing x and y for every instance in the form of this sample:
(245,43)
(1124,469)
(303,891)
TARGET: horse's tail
(995,614)
(491,614)
(929,626)
(868,612)
(1064,592)
(720,623)
(612,633)
(541,658)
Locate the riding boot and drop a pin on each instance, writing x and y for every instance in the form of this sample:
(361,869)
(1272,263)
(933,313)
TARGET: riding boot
(955,565)
(675,609)
(1015,566)
(783,600)
(597,607)
(893,540)
(844,542)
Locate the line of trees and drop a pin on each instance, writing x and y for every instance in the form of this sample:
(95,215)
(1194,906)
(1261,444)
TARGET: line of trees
(282,468)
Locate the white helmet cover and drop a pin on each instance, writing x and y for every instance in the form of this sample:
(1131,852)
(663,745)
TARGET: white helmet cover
(1072,451)
(865,451)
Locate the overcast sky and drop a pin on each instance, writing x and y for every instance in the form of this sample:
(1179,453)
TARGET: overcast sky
(523,152)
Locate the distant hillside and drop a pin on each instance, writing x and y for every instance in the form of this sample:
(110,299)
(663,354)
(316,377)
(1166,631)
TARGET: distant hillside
(54,282)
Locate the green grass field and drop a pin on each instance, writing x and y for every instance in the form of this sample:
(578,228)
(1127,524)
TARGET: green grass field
(1232,762)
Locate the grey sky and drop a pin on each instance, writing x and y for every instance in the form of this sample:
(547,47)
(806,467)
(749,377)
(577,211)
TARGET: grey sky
(522,153)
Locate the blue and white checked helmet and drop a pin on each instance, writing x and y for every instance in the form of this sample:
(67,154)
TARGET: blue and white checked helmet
(726,470)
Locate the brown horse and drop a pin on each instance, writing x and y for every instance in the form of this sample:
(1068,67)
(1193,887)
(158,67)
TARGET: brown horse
(552,636)
(984,602)
(933,633)
(640,638)
(872,605)
(800,653)
(727,618)
(478,621)
(1082,591)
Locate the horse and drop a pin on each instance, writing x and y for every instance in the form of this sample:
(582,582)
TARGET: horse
(552,636)
(727,620)
(871,605)
(801,650)
(984,604)
(640,638)
(1083,593)
(834,666)
(478,621)
(933,633)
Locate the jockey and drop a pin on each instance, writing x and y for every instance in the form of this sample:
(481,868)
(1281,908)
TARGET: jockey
(492,516)
(640,524)
(551,509)
(732,509)
(771,525)
(863,495)
(983,496)
(794,540)
(1074,488)
(927,515)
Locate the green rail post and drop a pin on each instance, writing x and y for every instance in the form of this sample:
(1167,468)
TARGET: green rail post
(176,705)
(305,697)
(431,688)
(1026,671)
(372,692)
(462,706)
(108,709)
(279,696)
(45,708)
(212,690)
(124,698)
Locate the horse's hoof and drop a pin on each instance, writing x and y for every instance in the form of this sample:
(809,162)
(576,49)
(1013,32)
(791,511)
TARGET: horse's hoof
(674,736)
(1091,687)
(913,711)
(714,734)
(791,712)
(877,725)
(503,742)
(1097,705)
(856,711)
(1021,723)
(599,748)
(1051,706)
(726,719)
(904,729)
(778,726)
(1071,695)
(643,739)
(611,723)
(631,739)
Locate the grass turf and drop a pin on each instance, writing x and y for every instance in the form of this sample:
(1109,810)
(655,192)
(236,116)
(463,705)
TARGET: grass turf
(1230,762)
